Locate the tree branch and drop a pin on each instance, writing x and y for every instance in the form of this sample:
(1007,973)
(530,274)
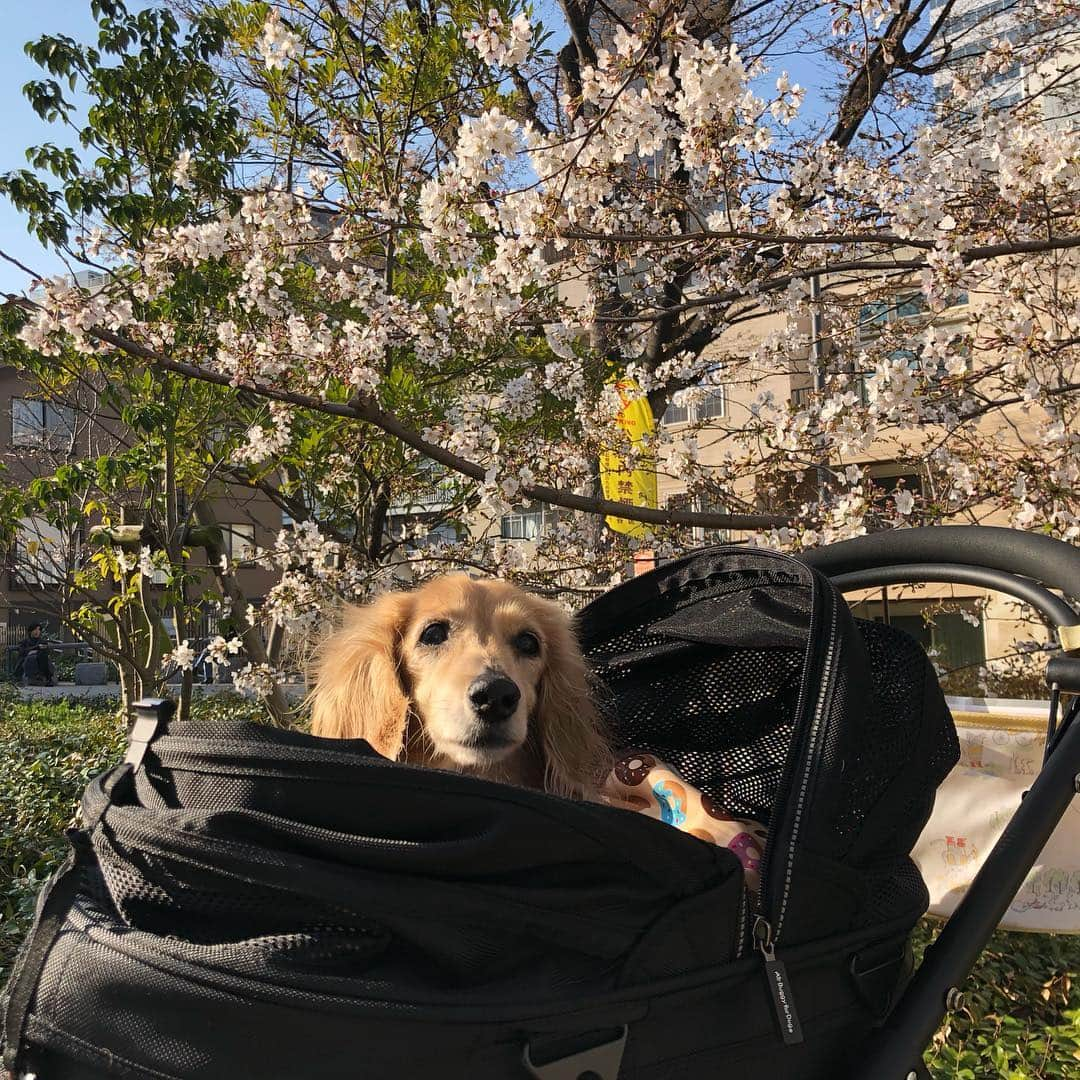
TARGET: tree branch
(872,265)
(366,409)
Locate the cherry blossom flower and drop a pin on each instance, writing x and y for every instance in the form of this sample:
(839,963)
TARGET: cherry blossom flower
(182,169)
(278,43)
(183,656)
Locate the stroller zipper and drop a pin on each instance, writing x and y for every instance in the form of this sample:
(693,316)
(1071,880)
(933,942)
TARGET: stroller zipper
(766,902)
(779,985)
(776,974)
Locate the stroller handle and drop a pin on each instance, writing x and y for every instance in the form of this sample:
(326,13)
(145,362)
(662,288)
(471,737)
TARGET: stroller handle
(960,551)
(1051,607)
(1027,566)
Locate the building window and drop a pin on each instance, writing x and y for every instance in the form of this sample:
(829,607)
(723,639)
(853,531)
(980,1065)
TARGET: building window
(1010,74)
(446,532)
(677,414)
(427,490)
(872,317)
(527,524)
(875,316)
(706,503)
(710,407)
(239,538)
(41,424)
(38,555)
(955,24)
(908,307)
(713,406)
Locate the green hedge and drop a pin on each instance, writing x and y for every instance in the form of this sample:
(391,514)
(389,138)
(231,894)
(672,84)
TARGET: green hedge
(1021,1020)
(1021,1014)
(48,751)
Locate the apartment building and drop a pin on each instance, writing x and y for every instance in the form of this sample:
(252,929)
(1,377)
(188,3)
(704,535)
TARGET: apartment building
(37,435)
(973,626)
(1011,56)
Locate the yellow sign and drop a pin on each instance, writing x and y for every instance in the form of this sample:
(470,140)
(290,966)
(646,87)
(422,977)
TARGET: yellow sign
(619,480)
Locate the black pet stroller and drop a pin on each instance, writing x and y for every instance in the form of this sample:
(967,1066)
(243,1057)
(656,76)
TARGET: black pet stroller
(243,901)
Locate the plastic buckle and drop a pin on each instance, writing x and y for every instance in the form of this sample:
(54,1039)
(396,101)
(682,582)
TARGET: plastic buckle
(597,1063)
(1069,639)
(151,714)
(879,973)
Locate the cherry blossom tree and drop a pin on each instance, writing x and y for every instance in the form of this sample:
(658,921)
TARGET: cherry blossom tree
(453,227)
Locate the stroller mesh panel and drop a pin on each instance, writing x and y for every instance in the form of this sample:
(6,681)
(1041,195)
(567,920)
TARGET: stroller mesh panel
(723,718)
(891,888)
(164,895)
(709,680)
(722,715)
(327,947)
(888,766)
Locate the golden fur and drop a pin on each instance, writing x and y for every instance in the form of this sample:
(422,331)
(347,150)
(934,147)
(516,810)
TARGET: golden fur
(376,680)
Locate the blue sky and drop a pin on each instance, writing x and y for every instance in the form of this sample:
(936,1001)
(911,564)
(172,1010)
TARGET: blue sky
(25,21)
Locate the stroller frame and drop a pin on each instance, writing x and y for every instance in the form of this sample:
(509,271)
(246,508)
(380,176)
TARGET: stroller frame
(1026,566)
(1029,567)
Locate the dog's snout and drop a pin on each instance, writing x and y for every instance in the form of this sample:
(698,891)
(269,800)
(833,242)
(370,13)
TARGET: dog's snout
(494,697)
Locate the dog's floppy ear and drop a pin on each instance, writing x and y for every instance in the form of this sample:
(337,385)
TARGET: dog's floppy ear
(358,692)
(571,734)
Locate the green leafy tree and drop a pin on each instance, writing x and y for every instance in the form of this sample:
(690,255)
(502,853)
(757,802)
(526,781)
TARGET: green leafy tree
(148,462)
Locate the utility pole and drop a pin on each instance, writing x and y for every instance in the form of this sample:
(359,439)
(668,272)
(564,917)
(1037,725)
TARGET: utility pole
(817,364)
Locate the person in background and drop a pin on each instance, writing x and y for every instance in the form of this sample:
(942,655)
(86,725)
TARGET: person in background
(34,661)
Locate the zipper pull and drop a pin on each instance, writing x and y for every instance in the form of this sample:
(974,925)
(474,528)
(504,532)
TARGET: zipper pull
(779,984)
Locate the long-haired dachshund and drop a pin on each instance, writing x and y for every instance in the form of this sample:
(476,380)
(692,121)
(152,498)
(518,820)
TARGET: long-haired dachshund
(465,674)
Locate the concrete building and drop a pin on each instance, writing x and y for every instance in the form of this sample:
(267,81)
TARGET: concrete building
(976,626)
(1011,56)
(37,435)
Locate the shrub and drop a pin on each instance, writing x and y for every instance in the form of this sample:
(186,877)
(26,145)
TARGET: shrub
(48,752)
(1021,1014)
(978,682)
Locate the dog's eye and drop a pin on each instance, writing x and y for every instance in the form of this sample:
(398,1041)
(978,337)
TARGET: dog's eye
(527,644)
(435,633)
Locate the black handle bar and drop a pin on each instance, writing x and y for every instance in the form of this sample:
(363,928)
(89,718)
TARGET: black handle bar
(1026,565)
(1050,606)
(966,550)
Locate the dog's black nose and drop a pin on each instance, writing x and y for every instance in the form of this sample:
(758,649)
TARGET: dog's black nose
(494,697)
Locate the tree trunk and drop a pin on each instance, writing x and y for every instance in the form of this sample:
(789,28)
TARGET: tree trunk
(129,690)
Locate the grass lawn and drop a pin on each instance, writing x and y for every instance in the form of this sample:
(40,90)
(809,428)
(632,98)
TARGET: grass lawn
(1021,1020)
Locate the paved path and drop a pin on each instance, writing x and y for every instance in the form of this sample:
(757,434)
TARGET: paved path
(70,691)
